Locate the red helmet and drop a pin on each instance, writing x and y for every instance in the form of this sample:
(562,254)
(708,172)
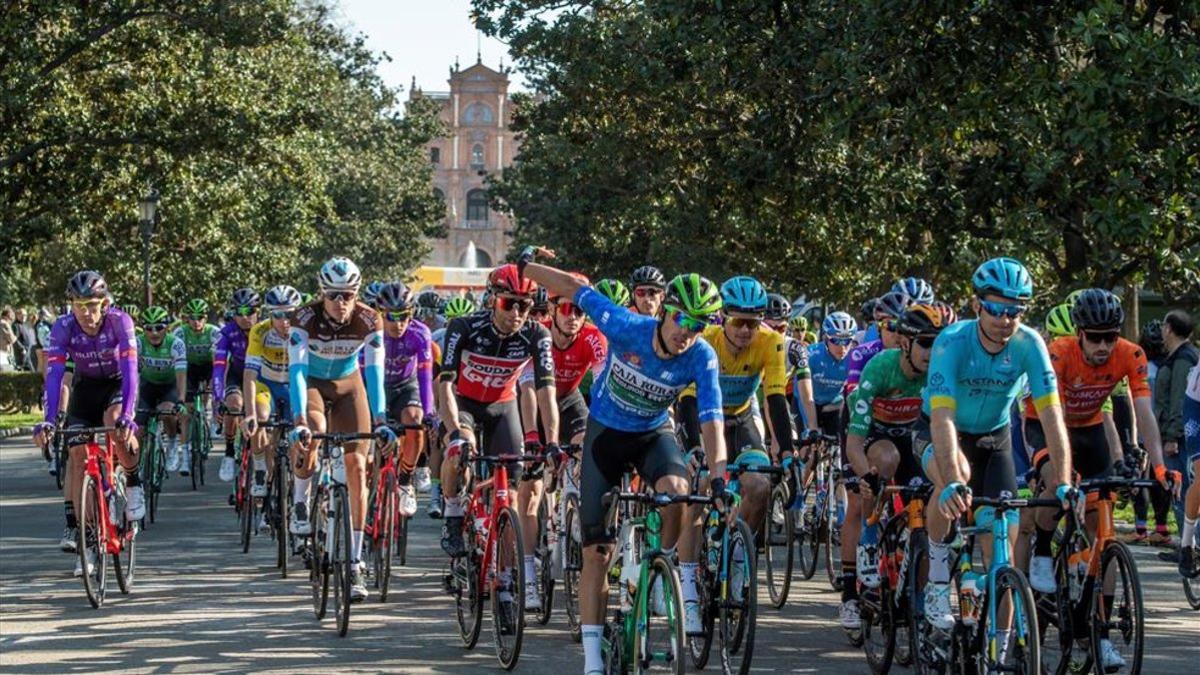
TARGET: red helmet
(580,277)
(505,279)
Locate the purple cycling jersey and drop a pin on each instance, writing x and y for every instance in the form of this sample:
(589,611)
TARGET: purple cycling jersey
(228,354)
(408,356)
(108,355)
(858,358)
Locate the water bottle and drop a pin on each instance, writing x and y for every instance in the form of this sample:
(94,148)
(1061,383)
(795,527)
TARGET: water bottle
(1077,569)
(968,597)
(552,542)
(114,508)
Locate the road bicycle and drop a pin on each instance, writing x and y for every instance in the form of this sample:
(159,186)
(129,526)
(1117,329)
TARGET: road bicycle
(278,502)
(387,530)
(786,537)
(199,440)
(152,464)
(103,530)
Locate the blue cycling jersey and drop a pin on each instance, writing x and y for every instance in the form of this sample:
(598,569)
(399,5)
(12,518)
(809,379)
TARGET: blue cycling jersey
(828,375)
(981,387)
(637,387)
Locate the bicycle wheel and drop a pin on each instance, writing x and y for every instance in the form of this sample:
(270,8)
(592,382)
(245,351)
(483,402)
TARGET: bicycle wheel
(158,462)
(1021,654)
(282,500)
(543,564)
(571,540)
(739,613)
(708,598)
(1118,617)
(925,660)
(246,505)
(777,545)
(1056,612)
(660,644)
(1191,588)
(831,533)
(124,562)
(384,537)
(339,559)
(508,588)
(468,595)
(318,574)
(60,461)
(90,543)
(878,627)
(805,521)
(194,452)
(400,543)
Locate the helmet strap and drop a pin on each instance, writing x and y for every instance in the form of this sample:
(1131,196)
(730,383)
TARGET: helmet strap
(662,344)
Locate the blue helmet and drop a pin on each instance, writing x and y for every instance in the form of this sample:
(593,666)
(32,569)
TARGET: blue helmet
(839,324)
(744,294)
(919,290)
(1005,277)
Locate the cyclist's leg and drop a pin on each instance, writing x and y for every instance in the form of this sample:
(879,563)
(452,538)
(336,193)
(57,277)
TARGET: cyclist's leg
(351,414)
(234,404)
(754,488)
(452,457)
(304,456)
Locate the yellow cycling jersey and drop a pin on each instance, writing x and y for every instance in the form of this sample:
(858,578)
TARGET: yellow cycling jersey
(764,361)
(267,353)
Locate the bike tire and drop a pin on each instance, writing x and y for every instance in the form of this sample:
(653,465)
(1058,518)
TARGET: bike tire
(340,559)
(125,561)
(90,536)
(319,572)
(738,618)
(194,462)
(468,594)
(283,501)
(1191,589)
(572,565)
(806,521)
(246,507)
(508,554)
(663,571)
(1128,606)
(777,546)
(831,533)
(385,537)
(918,554)
(60,464)
(401,543)
(1028,655)
(543,564)
(708,598)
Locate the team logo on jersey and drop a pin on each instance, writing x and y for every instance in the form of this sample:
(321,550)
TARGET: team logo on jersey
(632,359)
(861,408)
(936,380)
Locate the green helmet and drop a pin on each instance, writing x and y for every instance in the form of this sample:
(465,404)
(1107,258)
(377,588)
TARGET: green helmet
(1071,297)
(614,290)
(694,295)
(306,298)
(132,310)
(456,307)
(1058,321)
(196,307)
(155,315)
(798,322)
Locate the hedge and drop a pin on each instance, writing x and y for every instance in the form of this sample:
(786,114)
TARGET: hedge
(20,392)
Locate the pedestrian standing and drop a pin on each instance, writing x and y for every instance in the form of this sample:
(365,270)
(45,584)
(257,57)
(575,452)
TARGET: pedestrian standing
(23,350)
(1170,390)
(7,340)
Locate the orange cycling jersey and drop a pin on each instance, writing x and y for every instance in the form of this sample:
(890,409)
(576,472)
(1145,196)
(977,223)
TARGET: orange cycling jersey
(1084,388)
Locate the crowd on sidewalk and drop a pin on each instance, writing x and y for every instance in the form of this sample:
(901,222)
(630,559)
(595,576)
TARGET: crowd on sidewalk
(23,334)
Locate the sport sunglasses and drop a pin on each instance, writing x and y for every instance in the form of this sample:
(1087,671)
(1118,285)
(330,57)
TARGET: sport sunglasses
(1002,309)
(509,304)
(570,309)
(686,321)
(400,316)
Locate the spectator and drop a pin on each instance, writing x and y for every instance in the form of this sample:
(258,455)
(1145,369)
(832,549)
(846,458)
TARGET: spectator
(7,340)
(41,331)
(23,350)
(1169,390)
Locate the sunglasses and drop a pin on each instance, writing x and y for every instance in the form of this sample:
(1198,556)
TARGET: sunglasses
(510,304)
(398,316)
(156,328)
(925,341)
(246,310)
(841,341)
(570,309)
(777,326)
(647,291)
(196,317)
(1002,309)
(1106,337)
(281,313)
(887,324)
(743,322)
(341,296)
(89,304)
(686,321)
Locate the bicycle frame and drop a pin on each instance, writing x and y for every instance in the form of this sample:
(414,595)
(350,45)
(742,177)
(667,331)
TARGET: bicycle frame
(481,510)
(114,541)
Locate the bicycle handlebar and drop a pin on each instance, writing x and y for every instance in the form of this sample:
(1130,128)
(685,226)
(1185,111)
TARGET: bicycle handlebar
(657,499)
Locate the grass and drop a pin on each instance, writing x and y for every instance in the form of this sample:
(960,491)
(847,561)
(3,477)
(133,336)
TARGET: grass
(1123,513)
(19,420)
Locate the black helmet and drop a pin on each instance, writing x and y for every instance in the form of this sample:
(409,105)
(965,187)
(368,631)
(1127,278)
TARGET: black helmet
(394,297)
(1152,339)
(1096,308)
(245,297)
(647,275)
(868,309)
(541,298)
(778,307)
(926,318)
(893,303)
(86,285)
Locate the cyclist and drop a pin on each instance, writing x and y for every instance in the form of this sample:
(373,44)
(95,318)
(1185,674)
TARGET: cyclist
(1189,566)
(229,364)
(408,380)
(800,391)
(199,339)
(649,285)
(651,360)
(429,307)
(977,370)
(916,288)
(883,410)
(828,366)
(323,345)
(485,354)
(541,306)
(162,373)
(455,307)
(778,310)
(615,291)
(267,365)
(101,342)
(370,294)
(888,309)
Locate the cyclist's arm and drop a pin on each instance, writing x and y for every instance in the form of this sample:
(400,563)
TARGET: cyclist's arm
(860,406)
(1113,437)
(803,391)
(687,416)
(373,360)
(1144,414)
(56,367)
(708,401)
(543,377)
(179,359)
(220,360)
(456,336)
(527,403)
(127,364)
(425,377)
(1043,387)
(775,388)
(556,281)
(298,374)
(941,390)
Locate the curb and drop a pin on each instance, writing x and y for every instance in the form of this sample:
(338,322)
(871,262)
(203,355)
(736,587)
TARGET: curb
(17,431)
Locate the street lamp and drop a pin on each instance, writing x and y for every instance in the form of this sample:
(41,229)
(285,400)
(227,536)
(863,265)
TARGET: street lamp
(148,210)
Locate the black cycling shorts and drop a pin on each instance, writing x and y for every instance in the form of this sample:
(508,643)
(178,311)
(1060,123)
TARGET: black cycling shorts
(989,456)
(401,395)
(607,455)
(1089,448)
(90,398)
(151,395)
(500,424)
(901,437)
(572,418)
(741,433)
(197,374)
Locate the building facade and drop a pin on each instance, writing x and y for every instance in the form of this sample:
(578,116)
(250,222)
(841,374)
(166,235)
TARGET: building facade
(477,112)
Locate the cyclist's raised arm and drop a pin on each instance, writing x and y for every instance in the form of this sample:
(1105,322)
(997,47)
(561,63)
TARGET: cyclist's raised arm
(298,374)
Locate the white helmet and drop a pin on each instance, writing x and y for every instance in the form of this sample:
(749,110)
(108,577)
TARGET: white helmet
(339,274)
(282,297)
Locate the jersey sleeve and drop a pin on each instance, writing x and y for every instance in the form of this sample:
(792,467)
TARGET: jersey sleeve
(56,366)
(220,361)
(127,363)
(1138,373)
(543,357)
(254,349)
(609,317)
(298,371)
(179,356)
(456,338)
(706,376)
(775,369)
(798,360)
(526,376)
(941,385)
(373,359)
(1043,383)
(599,345)
(425,372)
(861,402)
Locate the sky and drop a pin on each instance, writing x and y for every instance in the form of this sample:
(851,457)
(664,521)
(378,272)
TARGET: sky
(423,37)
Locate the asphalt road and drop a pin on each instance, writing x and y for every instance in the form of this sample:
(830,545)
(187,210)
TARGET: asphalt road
(200,606)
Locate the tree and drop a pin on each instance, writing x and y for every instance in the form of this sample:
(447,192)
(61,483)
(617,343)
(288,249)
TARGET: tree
(829,148)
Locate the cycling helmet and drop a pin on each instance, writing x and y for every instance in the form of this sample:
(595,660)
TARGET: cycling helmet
(839,324)
(132,310)
(394,296)
(798,322)
(339,274)
(694,295)
(155,315)
(306,298)
(245,297)
(647,275)
(541,299)
(457,307)
(429,301)
(1097,309)
(614,290)
(370,294)
(282,297)
(506,279)
(809,337)
(86,285)
(1151,339)
(868,309)
(917,289)
(778,307)
(893,303)
(196,307)
(1058,321)
(1073,296)
(1005,277)
(925,319)
(743,294)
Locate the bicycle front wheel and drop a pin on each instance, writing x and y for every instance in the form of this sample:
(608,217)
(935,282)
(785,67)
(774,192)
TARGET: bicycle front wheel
(739,611)
(806,518)
(1022,653)
(318,574)
(279,521)
(508,588)
(543,563)
(571,540)
(831,533)
(1191,588)
(777,544)
(93,554)
(246,507)
(339,559)
(1118,615)
(660,645)
(384,537)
